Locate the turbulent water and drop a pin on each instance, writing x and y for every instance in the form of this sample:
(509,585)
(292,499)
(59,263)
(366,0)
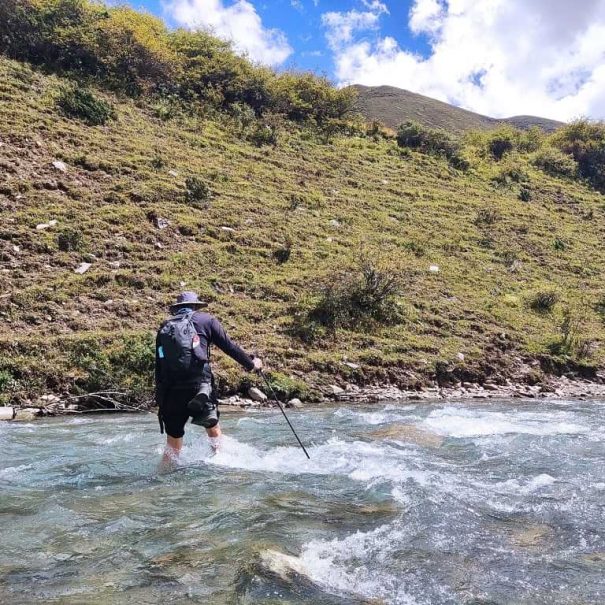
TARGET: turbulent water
(444,503)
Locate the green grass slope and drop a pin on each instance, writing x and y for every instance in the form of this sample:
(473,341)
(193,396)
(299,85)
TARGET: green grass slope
(280,223)
(392,106)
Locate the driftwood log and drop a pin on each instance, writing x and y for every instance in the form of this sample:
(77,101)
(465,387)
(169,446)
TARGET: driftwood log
(101,401)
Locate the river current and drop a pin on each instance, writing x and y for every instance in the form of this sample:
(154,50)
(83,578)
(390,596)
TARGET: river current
(443,503)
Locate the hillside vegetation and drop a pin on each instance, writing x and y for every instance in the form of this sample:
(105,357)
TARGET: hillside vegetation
(391,106)
(334,250)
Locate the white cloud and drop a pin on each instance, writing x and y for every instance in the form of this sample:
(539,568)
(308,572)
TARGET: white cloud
(341,26)
(498,57)
(238,22)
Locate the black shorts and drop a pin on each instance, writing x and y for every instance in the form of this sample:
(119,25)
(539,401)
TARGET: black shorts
(174,410)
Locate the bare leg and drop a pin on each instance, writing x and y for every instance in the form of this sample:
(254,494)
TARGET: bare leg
(214,436)
(174,446)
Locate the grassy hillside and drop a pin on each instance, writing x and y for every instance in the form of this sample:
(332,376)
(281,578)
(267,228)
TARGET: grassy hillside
(392,106)
(277,235)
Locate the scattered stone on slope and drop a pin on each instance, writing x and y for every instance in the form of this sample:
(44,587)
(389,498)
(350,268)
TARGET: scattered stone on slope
(161,223)
(434,268)
(229,229)
(82,268)
(336,390)
(256,394)
(42,226)
(350,364)
(61,166)
(460,356)
(173,173)
(335,223)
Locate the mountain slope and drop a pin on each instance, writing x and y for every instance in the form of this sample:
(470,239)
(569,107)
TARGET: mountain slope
(393,106)
(280,225)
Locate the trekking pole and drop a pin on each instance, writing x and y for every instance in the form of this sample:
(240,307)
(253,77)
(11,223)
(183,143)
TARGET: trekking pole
(284,413)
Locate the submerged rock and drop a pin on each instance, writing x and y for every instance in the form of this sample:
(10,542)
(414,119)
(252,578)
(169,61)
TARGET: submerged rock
(409,433)
(286,567)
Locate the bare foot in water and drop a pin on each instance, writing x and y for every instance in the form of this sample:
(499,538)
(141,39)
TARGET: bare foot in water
(214,437)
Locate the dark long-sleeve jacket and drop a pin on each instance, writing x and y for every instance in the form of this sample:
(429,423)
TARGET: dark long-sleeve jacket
(211,332)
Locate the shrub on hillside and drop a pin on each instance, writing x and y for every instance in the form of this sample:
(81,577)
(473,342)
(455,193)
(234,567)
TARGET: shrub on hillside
(69,240)
(264,132)
(135,52)
(585,141)
(509,174)
(556,163)
(304,96)
(79,102)
(543,301)
(197,191)
(125,365)
(501,141)
(363,295)
(431,141)
(487,216)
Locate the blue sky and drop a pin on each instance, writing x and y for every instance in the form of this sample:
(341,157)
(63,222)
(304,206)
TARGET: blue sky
(496,57)
(301,22)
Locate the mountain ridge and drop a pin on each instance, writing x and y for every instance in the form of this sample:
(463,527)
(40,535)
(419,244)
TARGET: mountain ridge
(392,106)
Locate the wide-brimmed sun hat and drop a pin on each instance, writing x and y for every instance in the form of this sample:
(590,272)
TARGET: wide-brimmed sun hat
(187,299)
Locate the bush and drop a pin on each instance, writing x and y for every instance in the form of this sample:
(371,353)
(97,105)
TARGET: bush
(364,295)
(287,388)
(487,216)
(431,141)
(559,245)
(69,240)
(585,142)
(124,365)
(510,174)
(6,381)
(543,301)
(135,52)
(282,254)
(263,133)
(556,163)
(501,142)
(573,341)
(306,97)
(525,194)
(197,191)
(79,102)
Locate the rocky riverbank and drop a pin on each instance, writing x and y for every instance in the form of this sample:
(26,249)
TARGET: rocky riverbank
(554,388)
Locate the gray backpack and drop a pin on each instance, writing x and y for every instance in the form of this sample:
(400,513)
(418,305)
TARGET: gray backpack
(178,346)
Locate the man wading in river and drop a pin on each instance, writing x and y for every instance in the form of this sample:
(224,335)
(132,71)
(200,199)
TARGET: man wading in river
(184,381)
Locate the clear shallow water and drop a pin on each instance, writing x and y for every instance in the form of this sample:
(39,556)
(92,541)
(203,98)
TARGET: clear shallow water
(426,504)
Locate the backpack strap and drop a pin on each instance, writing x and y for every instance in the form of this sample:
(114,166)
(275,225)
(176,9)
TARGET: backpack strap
(196,345)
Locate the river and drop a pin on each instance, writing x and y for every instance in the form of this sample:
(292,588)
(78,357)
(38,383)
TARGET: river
(434,503)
